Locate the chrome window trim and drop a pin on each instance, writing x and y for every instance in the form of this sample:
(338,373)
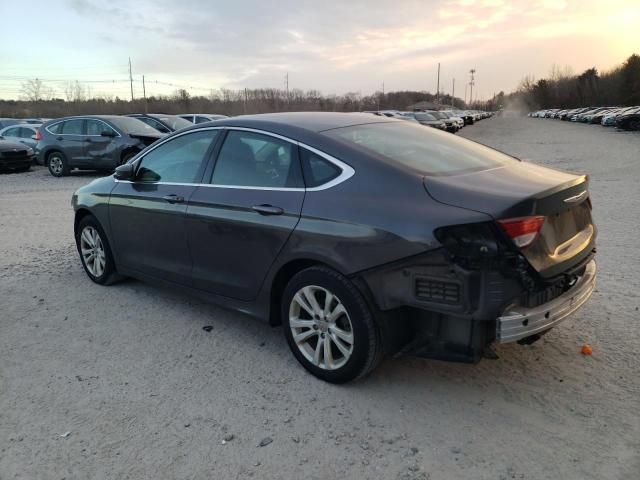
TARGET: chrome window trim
(79,134)
(346,170)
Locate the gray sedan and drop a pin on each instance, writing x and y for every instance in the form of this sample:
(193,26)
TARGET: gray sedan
(360,235)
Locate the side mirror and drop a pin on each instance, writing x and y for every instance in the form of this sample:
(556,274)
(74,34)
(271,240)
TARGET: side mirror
(125,172)
(107,133)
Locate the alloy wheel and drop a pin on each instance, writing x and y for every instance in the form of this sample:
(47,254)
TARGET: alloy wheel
(321,327)
(56,165)
(92,251)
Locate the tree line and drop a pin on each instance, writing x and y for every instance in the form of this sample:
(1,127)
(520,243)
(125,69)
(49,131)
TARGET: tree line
(619,86)
(39,101)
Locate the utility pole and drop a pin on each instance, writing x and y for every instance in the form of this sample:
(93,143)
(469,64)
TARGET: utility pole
(245,100)
(286,82)
(438,85)
(472,72)
(144,94)
(131,79)
(453,91)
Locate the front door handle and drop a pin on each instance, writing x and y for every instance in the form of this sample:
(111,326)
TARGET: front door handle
(173,198)
(267,210)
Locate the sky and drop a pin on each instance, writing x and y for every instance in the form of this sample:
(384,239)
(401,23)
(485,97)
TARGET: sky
(335,47)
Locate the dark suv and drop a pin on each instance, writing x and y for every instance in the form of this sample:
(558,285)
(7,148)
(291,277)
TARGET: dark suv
(161,122)
(98,142)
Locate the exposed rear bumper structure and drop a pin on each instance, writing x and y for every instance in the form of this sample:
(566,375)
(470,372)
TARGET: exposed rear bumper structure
(520,322)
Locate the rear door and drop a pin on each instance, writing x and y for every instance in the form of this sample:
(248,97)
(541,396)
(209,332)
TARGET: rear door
(148,214)
(238,224)
(71,139)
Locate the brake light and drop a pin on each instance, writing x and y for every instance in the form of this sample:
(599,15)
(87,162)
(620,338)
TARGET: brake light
(522,230)
(38,135)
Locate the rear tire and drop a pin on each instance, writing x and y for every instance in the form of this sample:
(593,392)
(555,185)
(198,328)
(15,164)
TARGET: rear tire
(57,164)
(95,252)
(329,326)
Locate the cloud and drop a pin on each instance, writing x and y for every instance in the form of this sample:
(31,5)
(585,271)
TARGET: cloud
(334,45)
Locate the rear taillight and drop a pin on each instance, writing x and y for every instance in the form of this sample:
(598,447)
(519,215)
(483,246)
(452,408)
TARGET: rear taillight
(37,136)
(522,230)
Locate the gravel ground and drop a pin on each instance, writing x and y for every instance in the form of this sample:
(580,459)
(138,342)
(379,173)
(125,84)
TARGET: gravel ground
(145,392)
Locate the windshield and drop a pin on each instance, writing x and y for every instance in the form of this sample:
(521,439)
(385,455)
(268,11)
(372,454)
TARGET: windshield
(424,117)
(422,149)
(173,121)
(133,125)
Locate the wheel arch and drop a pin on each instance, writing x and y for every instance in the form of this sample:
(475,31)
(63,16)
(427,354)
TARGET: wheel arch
(80,214)
(282,276)
(48,152)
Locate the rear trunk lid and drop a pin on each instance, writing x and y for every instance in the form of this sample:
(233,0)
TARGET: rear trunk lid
(521,189)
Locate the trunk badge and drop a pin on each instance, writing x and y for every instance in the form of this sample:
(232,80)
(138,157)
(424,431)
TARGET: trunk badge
(575,198)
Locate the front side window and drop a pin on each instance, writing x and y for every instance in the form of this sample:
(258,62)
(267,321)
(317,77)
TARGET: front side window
(72,127)
(317,170)
(255,160)
(421,149)
(11,132)
(179,160)
(96,127)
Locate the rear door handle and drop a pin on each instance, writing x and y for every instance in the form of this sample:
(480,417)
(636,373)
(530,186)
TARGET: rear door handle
(173,198)
(267,210)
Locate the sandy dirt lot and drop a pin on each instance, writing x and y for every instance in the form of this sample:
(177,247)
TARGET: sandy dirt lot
(145,392)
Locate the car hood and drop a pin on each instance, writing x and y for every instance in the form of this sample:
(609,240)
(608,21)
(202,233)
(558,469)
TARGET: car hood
(9,145)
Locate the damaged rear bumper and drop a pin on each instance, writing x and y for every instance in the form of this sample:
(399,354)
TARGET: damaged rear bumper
(520,322)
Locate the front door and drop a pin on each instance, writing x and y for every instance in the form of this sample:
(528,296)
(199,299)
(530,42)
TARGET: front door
(239,223)
(148,214)
(100,149)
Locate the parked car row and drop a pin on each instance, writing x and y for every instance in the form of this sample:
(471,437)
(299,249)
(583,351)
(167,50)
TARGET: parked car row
(92,142)
(449,120)
(625,118)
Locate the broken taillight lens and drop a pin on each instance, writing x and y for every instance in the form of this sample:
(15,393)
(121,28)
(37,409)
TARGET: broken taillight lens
(522,230)
(38,135)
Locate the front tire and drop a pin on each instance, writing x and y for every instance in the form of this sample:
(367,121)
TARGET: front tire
(57,164)
(329,326)
(95,252)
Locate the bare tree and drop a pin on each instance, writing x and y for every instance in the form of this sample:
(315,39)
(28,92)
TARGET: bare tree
(76,92)
(35,90)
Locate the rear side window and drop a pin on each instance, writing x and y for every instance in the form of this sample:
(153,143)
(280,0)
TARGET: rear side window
(317,170)
(422,149)
(202,119)
(55,128)
(26,133)
(179,160)
(254,160)
(72,127)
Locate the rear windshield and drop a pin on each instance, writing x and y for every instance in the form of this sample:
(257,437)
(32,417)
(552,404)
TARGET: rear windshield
(173,121)
(424,117)
(131,125)
(421,148)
